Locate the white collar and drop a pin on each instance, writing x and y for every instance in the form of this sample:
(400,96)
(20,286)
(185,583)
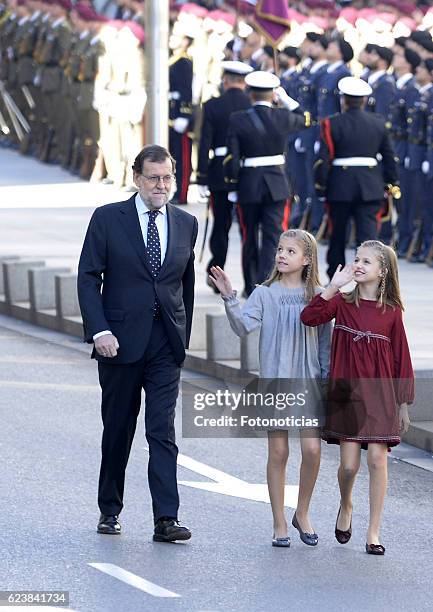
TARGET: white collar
(57,22)
(84,34)
(45,17)
(333,67)
(142,208)
(35,15)
(401,81)
(317,65)
(23,20)
(263,103)
(424,88)
(289,71)
(94,39)
(375,76)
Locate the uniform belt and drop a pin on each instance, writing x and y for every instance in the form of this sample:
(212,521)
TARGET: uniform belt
(174,95)
(267,160)
(355,161)
(220,151)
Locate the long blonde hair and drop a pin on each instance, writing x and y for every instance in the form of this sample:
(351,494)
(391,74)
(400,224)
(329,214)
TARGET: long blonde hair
(388,291)
(310,273)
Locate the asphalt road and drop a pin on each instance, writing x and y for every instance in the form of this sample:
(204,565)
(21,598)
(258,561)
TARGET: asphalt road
(50,440)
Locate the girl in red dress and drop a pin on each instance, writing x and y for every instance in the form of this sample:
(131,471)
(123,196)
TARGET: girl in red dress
(371,376)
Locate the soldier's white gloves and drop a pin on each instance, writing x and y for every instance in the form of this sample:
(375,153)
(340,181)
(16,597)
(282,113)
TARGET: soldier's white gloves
(316,147)
(180,125)
(425,167)
(203,192)
(281,96)
(298,146)
(233,196)
(406,163)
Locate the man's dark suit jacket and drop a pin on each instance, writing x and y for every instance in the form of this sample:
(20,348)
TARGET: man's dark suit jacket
(116,289)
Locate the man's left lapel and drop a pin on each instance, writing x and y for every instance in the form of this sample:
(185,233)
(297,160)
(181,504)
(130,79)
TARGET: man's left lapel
(173,236)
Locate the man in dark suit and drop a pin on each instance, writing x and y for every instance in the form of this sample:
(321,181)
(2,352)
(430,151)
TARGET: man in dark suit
(210,172)
(347,171)
(255,171)
(141,253)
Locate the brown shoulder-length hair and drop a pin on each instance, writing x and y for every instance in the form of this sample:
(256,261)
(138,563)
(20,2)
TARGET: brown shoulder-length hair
(388,290)
(310,273)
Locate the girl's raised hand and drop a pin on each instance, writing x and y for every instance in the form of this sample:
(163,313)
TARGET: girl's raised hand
(342,276)
(221,280)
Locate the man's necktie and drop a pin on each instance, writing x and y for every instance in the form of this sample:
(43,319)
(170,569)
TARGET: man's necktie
(154,253)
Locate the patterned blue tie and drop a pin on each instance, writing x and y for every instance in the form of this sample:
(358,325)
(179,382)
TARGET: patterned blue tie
(154,253)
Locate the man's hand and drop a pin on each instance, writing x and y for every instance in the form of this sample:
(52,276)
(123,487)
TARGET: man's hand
(232,197)
(106,345)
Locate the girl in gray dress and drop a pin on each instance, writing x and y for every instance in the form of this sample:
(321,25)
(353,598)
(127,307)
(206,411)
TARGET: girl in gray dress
(287,350)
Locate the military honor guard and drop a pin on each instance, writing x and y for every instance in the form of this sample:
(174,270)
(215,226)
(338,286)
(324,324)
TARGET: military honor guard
(213,150)
(347,172)
(381,82)
(180,117)
(254,170)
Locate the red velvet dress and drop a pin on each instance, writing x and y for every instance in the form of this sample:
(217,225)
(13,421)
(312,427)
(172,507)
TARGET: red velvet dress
(371,371)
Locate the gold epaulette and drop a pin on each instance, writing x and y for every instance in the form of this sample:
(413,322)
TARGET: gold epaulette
(307,117)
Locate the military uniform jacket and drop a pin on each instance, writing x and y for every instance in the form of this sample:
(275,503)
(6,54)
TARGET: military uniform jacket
(429,137)
(180,76)
(383,94)
(308,97)
(329,96)
(54,49)
(245,141)
(25,42)
(398,118)
(355,133)
(216,115)
(417,129)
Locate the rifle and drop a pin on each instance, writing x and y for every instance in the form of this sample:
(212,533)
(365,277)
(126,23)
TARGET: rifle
(19,122)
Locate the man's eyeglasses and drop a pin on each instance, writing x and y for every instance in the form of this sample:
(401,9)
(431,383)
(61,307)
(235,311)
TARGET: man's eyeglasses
(154,180)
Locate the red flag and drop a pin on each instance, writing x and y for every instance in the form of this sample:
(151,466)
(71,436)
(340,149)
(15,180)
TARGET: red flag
(272,18)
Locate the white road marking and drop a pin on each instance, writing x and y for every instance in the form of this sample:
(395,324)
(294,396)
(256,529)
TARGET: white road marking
(133,580)
(230,485)
(33,608)
(24,384)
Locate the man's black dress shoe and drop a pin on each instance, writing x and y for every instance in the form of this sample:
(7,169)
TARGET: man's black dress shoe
(109,525)
(168,530)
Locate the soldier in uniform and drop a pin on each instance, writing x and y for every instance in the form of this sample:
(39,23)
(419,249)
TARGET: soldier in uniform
(415,243)
(310,83)
(405,63)
(88,119)
(180,117)
(254,169)
(54,47)
(382,83)
(347,173)
(210,172)
(339,53)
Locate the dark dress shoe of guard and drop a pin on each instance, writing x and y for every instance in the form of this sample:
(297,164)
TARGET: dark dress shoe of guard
(109,525)
(168,530)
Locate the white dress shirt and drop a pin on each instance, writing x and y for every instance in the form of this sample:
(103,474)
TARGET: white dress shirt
(162,226)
